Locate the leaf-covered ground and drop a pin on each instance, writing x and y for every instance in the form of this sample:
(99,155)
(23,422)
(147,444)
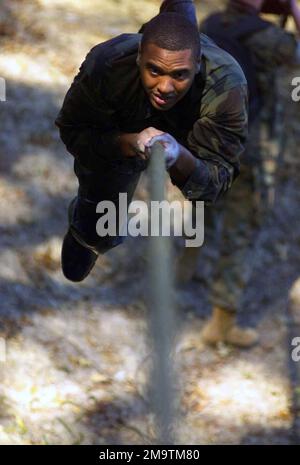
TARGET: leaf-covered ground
(76,354)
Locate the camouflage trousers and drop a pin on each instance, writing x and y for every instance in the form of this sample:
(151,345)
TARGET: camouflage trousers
(224,262)
(231,228)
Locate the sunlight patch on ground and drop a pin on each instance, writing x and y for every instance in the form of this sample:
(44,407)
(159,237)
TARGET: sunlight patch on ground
(42,392)
(245,389)
(149,7)
(15,205)
(232,401)
(30,70)
(55,178)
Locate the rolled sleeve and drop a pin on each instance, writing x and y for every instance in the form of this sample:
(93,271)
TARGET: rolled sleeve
(196,185)
(218,140)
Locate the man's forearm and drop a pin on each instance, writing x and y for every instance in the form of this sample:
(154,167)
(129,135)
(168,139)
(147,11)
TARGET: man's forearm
(183,167)
(199,179)
(127,143)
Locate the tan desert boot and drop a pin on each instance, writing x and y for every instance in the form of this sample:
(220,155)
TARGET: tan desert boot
(222,328)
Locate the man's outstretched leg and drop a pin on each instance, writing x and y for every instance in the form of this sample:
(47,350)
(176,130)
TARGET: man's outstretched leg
(185,7)
(77,260)
(82,245)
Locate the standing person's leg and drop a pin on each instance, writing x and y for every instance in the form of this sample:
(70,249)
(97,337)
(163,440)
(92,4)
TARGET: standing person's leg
(189,257)
(232,270)
(82,244)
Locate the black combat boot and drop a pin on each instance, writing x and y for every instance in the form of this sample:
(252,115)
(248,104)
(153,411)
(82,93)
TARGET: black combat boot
(76,260)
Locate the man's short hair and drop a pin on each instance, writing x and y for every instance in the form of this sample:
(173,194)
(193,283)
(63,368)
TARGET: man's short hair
(172,31)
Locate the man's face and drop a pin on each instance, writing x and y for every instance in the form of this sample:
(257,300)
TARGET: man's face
(166,75)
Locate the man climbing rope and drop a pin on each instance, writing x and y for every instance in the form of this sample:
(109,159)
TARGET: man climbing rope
(168,84)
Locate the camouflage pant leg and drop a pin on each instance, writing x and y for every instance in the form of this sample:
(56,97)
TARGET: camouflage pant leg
(236,239)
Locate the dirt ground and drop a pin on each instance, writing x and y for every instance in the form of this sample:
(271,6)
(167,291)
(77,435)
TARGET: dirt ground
(75,354)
